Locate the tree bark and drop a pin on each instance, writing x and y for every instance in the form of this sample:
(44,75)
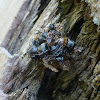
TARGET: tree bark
(25,79)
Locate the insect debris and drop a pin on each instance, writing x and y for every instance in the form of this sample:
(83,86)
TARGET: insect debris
(51,44)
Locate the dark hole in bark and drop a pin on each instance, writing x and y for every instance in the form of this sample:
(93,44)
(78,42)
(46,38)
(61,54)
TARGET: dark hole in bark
(76,29)
(47,85)
(98,89)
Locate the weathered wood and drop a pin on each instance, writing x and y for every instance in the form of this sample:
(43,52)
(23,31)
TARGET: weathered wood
(23,76)
(26,81)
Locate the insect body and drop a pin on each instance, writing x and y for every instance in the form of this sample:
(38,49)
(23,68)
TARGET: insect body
(50,44)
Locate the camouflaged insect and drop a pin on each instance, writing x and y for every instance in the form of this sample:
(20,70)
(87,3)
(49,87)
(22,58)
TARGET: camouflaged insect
(50,44)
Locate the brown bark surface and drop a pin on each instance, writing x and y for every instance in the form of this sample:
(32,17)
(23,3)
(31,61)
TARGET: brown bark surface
(29,79)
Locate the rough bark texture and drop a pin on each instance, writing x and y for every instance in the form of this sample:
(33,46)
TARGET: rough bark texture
(29,79)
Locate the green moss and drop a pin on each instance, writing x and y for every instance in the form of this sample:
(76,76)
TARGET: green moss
(97,97)
(87,13)
(94,46)
(76,14)
(88,28)
(83,85)
(64,8)
(87,34)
